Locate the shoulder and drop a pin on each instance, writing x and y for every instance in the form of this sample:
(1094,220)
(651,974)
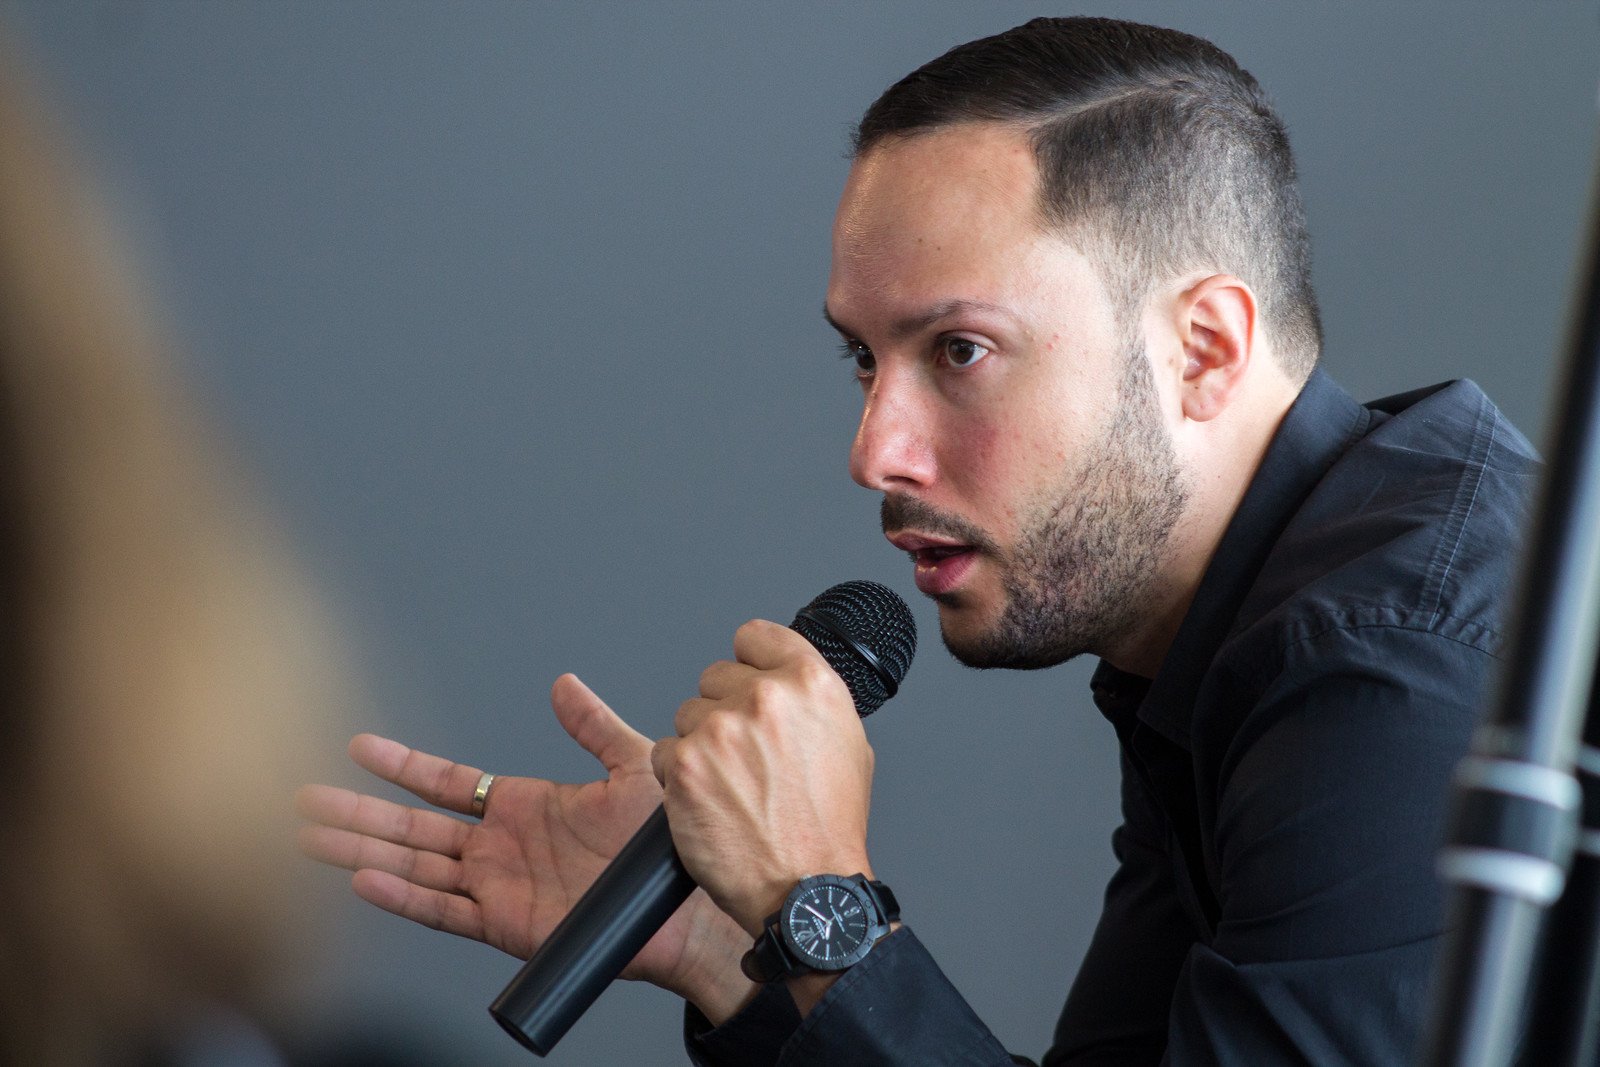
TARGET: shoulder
(1417,526)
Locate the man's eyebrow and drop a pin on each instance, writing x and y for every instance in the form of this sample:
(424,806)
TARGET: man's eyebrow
(921,320)
(835,323)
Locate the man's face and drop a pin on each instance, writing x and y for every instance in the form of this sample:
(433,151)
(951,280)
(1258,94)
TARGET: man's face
(1013,428)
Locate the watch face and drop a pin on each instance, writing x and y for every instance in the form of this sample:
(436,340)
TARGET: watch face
(827,922)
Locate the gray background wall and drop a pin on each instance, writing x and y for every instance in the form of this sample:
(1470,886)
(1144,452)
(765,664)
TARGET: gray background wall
(514,308)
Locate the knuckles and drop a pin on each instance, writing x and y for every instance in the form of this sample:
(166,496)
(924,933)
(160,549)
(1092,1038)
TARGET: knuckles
(741,709)
(815,676)
(696,759)
(686,771)
(720,732)
(767,696)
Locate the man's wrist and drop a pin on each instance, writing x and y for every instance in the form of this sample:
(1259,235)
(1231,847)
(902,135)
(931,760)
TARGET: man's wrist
(723,995)
(753,916)
(848,916)
(710,978)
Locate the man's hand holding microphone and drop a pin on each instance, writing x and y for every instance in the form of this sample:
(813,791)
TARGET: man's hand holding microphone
(767,783)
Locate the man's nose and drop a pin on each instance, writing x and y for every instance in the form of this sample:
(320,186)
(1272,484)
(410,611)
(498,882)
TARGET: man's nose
(891,450)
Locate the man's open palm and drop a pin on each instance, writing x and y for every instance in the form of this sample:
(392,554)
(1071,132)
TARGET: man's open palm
(509,879)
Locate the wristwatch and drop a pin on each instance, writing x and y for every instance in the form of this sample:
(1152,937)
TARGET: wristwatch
(827,923)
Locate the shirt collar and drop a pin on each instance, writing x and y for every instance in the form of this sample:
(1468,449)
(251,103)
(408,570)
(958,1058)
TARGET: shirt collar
(1320,425)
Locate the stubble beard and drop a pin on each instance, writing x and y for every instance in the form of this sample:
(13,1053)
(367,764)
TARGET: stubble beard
(1085,573)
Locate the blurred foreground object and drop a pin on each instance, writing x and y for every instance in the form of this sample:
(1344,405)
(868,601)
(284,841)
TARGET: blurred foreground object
(165,673)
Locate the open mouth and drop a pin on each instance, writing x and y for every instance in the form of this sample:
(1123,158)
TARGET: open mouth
(934,554)
(940,566)
(941,569)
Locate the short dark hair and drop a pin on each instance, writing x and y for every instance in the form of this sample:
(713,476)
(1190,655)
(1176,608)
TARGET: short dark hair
(1157,152)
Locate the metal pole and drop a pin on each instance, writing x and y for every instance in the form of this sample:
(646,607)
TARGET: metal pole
(1564,1016)
(1515,817)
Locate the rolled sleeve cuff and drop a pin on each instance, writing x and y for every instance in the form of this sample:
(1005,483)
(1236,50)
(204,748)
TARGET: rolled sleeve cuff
(895,1006)
(754,1036)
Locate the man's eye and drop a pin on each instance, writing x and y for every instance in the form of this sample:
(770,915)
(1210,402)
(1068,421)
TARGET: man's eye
(866,363)
(960,352)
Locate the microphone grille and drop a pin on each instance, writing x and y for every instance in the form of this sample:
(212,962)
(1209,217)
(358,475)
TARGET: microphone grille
(866,633)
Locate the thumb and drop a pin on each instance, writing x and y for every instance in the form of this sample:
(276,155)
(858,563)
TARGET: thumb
(590,721)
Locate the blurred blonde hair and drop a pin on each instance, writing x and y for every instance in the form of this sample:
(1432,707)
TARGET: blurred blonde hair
(165,673)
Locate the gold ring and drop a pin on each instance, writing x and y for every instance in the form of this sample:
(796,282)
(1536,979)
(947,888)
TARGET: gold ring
(480,795)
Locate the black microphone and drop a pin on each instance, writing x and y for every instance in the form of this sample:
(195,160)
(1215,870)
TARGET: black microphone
(866,633)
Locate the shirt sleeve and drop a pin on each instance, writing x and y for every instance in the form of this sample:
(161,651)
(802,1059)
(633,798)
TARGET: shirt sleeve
(894,1007)
(1331,798)
(752,1038)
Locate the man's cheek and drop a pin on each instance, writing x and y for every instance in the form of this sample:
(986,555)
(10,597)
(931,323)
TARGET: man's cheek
(1000,465)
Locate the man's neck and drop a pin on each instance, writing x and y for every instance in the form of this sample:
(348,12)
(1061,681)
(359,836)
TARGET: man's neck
(1219,471)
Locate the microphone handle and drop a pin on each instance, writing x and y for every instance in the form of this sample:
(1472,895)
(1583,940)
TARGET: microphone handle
(610,923)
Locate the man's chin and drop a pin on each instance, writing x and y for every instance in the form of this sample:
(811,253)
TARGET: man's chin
(991,655)
(971,639)
(991,644)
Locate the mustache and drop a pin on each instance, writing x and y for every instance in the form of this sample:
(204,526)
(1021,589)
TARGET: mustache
(909,513)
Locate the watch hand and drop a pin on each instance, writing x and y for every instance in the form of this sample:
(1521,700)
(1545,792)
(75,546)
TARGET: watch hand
(827,923)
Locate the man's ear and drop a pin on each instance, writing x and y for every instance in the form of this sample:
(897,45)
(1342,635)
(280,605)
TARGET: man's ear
(1217,328)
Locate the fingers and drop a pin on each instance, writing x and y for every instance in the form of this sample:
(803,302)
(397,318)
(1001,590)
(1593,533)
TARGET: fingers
(430,907)
(357,852)
(761,647)
(691,713)
(346,810)
(438,781)
(590,721)
(768,645)
(406,860)
(662,757)
(724,677)
(718,682)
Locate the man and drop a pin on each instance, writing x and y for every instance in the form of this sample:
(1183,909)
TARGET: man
(1070,266)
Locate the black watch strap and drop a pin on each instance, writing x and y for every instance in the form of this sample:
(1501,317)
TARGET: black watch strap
(888,906)
(769,958)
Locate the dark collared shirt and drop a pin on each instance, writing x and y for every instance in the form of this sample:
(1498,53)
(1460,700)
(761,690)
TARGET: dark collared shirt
(1285,775)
